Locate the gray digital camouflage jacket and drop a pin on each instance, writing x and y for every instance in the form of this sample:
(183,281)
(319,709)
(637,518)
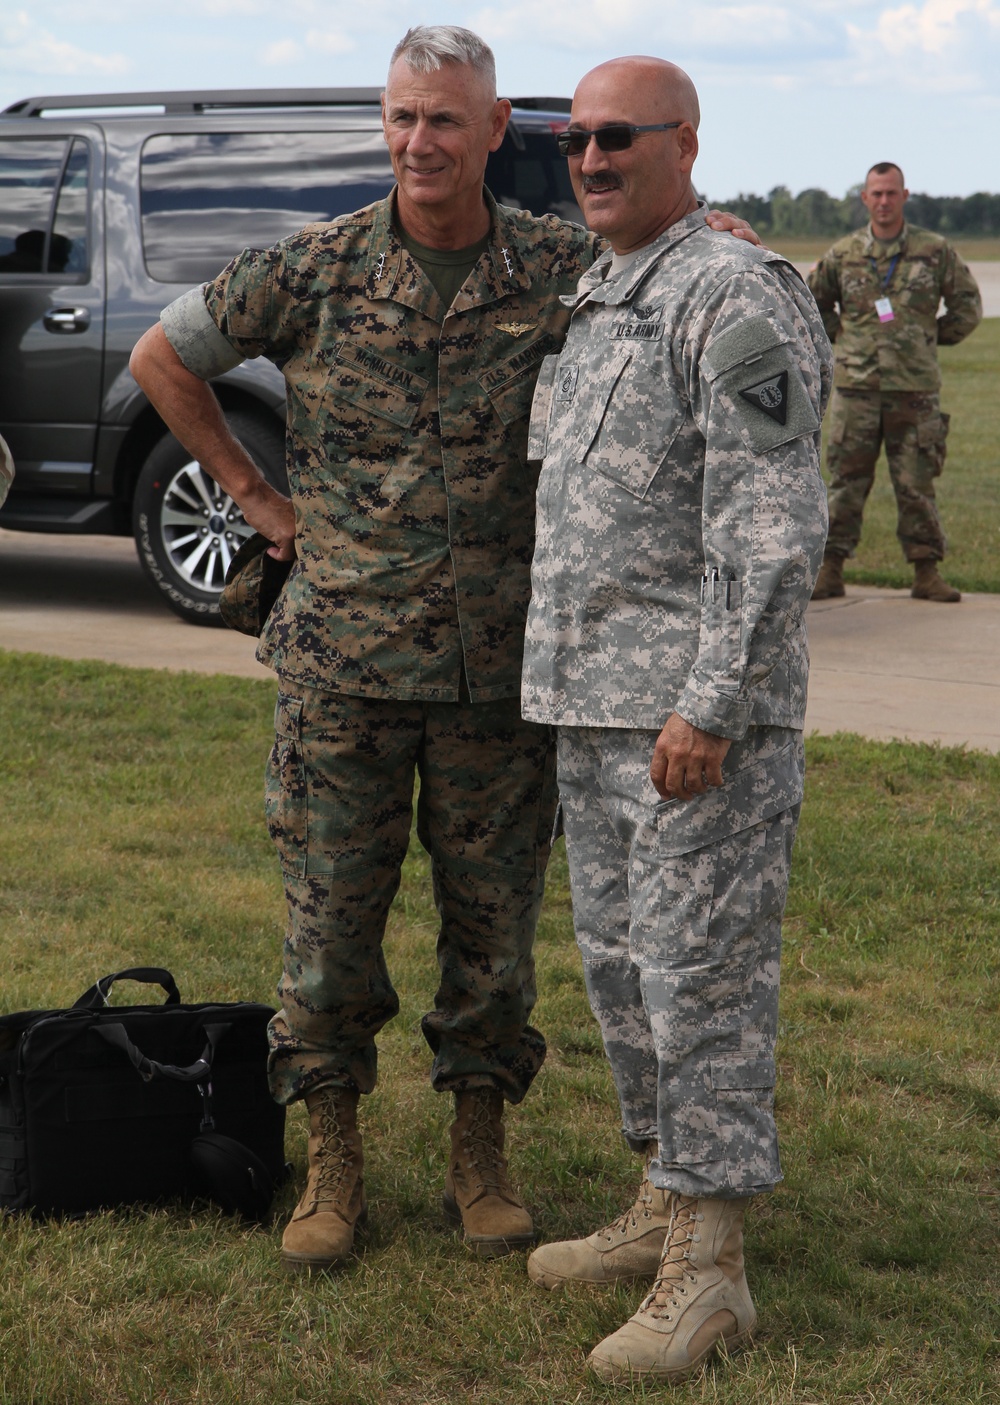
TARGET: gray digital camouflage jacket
(407,445)
(681,515)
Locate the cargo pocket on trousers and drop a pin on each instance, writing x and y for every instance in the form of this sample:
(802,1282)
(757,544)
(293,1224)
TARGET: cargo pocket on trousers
(744,1105)
(932,441)
(286,797)
(678,907)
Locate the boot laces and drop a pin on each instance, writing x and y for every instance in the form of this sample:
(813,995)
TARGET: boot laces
(630,1219)
(485,1159)
(675,1271)
(336,1159)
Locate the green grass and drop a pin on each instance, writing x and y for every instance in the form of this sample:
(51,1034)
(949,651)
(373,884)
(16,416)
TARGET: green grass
(133,834)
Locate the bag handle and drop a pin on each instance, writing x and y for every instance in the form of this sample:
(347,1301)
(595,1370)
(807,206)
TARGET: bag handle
(97,996)
(148,1069)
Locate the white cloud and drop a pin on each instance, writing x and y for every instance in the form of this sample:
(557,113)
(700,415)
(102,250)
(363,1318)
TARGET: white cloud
(942,46)
(288,52)
(283,52)
(33,53)
(330,41)
(934,27)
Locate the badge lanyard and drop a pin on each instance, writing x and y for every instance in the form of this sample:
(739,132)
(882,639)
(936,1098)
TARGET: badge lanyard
(883,305)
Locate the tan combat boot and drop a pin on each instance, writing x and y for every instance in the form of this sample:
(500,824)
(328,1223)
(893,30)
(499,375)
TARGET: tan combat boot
(928,584)
(830,581)
(700,1299)
(630,1248)
(320,1234)
(477,1191)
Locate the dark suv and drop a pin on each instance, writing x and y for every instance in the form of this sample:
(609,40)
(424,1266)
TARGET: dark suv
(112,205)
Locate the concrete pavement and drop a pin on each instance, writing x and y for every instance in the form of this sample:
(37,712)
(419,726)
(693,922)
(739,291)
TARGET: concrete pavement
(883,665)
(88,598)
(886,666)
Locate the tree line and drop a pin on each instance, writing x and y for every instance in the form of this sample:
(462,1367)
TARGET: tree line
(813,212)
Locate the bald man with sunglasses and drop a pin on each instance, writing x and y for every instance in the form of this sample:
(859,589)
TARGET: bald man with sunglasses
(680,526)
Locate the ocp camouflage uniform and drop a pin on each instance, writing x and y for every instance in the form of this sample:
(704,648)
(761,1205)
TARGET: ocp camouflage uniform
(887,376)
(6,469)
(397,638)
(681,521)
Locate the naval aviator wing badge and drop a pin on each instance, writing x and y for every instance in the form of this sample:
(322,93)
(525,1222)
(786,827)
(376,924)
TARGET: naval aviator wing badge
(771,396)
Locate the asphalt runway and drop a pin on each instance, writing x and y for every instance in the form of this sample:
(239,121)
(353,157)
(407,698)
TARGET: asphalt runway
(883,665)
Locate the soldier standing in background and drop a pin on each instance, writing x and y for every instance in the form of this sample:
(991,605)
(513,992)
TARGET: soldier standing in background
(680,525)
(879,290)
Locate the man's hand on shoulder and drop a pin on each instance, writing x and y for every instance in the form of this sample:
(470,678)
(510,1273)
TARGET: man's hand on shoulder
(723,221)
(686,761)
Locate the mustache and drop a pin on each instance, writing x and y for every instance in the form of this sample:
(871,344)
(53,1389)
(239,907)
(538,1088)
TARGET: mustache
(605,179)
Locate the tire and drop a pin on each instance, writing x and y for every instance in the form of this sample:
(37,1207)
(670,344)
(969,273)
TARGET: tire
(186,529)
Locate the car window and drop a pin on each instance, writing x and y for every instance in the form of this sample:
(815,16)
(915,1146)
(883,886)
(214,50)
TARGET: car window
(31,174)
(529,174)
(68,251)
(205,196)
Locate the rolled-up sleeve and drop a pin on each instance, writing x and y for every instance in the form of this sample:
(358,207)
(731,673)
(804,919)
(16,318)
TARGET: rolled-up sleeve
(194,336)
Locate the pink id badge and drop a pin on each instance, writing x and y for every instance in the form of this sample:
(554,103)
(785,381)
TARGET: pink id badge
(884,309)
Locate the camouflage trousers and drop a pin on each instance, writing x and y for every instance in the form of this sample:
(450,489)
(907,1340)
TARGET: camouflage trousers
(914,432)
(677,908)
(339,801)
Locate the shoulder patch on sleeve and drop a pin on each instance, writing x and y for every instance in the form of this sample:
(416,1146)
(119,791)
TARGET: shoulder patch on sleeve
(754,369)
(198,342)
(742,344)
(771,396)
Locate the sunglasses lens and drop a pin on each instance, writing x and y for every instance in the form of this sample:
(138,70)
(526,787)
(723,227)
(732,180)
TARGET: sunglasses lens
(614,138)
(572,143)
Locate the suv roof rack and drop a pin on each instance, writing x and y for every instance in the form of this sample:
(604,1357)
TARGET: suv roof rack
(542,104)
(192,103)
(195,102)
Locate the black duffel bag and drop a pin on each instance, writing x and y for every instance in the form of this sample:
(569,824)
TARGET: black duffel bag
(103,1105)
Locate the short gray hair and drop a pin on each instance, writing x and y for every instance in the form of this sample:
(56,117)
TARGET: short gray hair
(426,47)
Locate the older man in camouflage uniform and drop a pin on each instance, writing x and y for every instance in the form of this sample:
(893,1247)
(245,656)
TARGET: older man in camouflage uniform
(410,336)
(680,524)
(879,291)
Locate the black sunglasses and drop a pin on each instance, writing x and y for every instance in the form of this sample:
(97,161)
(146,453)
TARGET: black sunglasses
(616,136)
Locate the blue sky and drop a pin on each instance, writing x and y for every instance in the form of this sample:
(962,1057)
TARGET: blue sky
(796,94)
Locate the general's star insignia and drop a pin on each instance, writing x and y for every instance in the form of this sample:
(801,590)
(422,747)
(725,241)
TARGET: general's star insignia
(516,329)
(771,396)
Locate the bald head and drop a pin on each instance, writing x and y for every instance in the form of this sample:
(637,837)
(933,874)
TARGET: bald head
(657,86)
(631,196)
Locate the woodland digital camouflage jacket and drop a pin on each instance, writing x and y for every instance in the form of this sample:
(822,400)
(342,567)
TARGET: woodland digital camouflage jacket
(681,513)
(900,354)
(407,444)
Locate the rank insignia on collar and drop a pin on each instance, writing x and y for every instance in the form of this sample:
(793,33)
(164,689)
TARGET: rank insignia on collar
(516,329)
(771,396)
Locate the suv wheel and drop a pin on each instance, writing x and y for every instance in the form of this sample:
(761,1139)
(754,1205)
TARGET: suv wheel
(187,530)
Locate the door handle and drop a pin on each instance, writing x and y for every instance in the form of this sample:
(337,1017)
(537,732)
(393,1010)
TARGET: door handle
(67,319)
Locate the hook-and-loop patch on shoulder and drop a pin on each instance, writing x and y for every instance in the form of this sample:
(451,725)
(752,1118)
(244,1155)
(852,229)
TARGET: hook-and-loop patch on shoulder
(754,367)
